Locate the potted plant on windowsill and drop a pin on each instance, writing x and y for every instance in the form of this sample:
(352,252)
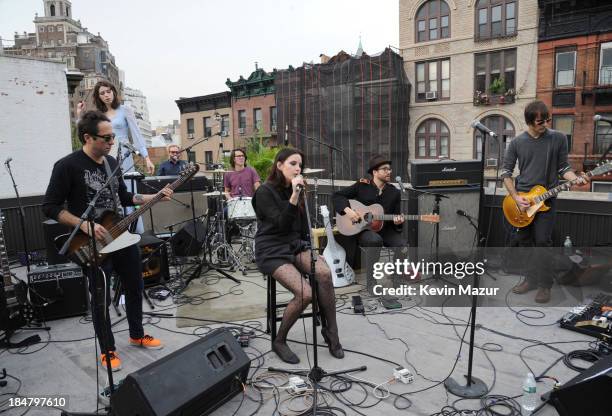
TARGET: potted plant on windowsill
(481,98)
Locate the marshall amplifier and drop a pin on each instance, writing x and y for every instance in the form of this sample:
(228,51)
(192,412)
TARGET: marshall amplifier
(59,290)
(444,173)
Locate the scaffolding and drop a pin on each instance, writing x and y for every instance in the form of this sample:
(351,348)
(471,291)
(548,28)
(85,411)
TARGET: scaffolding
(359,104)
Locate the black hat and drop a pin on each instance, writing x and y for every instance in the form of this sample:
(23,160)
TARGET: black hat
(376,161)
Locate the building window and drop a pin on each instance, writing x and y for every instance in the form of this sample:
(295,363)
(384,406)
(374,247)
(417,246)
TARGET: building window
(432,21)
(52,10)
(505,133)
(565,124)
(60,28)
(242,119)
(190,127)
(495,18)
(225,124)
(257,118)
(207,127)
(41,28)
(432,139)
(565,67)
(603,136)
(208,159)
(433,80)
(272,118)
(495,72)
(51,29)
(605,64)
(68,11)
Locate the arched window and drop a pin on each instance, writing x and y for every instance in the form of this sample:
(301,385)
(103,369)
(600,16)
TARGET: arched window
(68,11)
(432,139)
(432,21)
(505,133)
(495,18)
(52,10)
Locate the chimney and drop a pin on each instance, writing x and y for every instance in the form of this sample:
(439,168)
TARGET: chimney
(256,67)
(324,58)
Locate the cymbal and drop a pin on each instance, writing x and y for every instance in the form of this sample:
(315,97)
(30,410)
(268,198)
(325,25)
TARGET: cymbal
(309,171)
(216,171)
(213,193)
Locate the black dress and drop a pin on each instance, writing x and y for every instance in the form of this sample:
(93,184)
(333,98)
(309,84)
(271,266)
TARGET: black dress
(282,228)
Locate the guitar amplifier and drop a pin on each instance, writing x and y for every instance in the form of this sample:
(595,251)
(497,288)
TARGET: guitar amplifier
(444,173)
(59,291)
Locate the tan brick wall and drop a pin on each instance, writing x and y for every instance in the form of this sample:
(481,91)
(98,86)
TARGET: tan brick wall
(459,112)
(212,144)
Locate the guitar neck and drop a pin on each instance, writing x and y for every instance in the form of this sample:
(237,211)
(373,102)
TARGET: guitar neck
(558,189)
(4,261)
(329,232)
(123,225)
(389,217)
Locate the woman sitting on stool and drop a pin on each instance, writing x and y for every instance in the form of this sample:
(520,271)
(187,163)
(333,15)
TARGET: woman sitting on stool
(281,250)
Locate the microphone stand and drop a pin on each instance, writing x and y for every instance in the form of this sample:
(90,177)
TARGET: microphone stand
(316,373)
(94,270)
(21,220)
(474,387)
(331,148)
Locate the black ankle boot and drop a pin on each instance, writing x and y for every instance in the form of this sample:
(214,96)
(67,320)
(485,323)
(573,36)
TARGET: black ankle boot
(284,352)
(335,348)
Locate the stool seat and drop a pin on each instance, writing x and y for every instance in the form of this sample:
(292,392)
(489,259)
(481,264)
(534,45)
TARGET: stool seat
(273,306)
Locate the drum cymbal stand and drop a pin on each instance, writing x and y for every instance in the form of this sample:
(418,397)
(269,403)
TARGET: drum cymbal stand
(219,242)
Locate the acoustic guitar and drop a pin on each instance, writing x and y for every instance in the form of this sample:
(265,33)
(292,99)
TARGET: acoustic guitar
(520,218)
(373,218)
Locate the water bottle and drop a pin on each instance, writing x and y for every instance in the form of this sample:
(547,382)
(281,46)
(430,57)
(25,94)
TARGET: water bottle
(530,398)
(567,246)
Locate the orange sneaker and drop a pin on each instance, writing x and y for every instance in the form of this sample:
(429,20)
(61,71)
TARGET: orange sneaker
(146,342)
(114,361)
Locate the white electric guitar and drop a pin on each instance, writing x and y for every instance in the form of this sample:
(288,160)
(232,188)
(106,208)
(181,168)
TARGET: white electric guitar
(335,256)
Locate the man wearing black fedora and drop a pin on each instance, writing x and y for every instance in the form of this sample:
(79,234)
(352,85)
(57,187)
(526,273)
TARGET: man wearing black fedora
(374,188)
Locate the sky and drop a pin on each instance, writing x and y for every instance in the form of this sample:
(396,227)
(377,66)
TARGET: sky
(187,48)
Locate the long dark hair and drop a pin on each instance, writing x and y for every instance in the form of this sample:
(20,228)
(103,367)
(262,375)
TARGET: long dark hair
(535,108)
(98,101)
(276,177)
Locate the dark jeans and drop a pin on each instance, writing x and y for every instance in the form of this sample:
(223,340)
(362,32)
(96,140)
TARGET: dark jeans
(538,262)
(127,264)
(373,242)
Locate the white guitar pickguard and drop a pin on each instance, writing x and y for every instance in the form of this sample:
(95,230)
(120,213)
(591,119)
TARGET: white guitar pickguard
(124,240)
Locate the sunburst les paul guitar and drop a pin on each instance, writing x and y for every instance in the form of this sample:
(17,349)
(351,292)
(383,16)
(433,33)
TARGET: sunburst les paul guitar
(374,218)
(80,250)
(537,195)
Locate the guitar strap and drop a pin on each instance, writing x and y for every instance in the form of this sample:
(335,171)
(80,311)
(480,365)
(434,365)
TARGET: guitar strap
(113,186)
(548,181)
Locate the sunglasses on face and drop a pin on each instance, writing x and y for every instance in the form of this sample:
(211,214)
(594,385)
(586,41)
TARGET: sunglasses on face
(385,169)
(174,152)
(541,122)
(107,138)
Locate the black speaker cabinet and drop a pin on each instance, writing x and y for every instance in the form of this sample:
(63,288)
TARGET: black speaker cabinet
(62,287)
(194,380)
(154,260)
(457,235)
(587,394)
(189,239)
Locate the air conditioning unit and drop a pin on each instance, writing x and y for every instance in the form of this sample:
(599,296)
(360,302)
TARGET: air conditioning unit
(190,135)
(241,130)
(491,163)
(431,95)
(224,133)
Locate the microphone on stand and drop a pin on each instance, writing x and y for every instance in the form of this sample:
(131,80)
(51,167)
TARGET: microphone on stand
(401,184)
(240,192)
(464,214)
(8,160)
(483,129)
(597,117)
(131,148)
(299,186)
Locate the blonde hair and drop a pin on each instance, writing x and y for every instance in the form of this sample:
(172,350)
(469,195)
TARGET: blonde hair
(170,146)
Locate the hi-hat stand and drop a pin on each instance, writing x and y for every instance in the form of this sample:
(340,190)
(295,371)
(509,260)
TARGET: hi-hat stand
(316,373)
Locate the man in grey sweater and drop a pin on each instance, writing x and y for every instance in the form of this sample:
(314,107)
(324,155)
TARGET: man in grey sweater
(542,158)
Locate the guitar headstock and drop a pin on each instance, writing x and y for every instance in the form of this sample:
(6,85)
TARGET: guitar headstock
(190,169)
(602,169)
(434,218)
(324,211)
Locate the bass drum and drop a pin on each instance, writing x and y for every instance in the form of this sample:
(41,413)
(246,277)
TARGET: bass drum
(240,209)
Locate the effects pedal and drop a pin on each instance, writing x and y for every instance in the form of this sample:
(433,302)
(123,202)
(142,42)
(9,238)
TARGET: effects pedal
(403,374)
(358,305)
(297,385)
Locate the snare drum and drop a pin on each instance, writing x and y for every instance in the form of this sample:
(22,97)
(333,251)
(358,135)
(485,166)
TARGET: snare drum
(240,209)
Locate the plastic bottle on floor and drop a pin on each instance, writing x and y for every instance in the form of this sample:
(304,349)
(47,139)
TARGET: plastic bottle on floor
(529,400)
(567,246)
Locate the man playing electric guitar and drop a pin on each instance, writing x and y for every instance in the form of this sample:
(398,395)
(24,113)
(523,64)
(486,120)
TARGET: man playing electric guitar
(542,157)
(374,190)
(75,180)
